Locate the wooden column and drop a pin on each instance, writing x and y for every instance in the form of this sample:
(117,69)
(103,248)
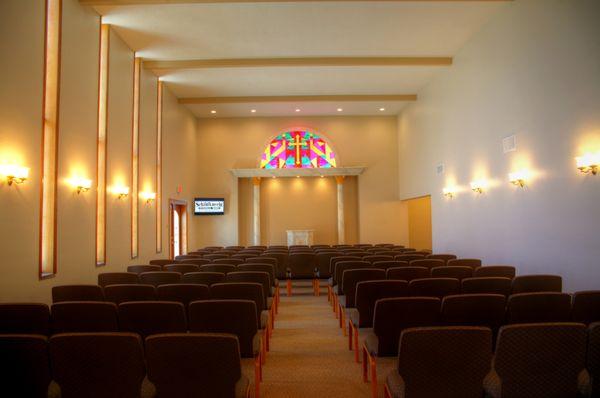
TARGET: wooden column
(340,210)
(256,210)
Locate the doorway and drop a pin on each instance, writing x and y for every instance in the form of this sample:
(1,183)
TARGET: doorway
(419,222)
(178,227)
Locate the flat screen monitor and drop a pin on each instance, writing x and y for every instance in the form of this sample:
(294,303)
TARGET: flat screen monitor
(209,206)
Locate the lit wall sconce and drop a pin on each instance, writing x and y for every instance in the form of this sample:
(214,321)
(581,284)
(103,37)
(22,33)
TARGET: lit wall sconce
(80,184)
(449,192)
(479,186)
(121,192)
(149,197)
(14,174)
(519,178)
(589,163)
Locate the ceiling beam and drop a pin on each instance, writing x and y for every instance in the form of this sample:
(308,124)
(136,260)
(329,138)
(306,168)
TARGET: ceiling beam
(298,98)
(139,2)
(296,62)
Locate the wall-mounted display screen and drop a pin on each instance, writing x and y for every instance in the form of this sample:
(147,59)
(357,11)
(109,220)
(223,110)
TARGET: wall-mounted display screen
(209,206)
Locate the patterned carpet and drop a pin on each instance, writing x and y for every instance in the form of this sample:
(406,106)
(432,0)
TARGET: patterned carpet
(309,355)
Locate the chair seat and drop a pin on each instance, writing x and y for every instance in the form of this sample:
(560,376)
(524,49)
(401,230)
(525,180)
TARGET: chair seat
(336,289)
(492,385)
(395,384)
(342,301)
(148,389)
(269,302)
(330,281)
(264,319)
(372,343)
(256,341)
(241,387)
(353,315)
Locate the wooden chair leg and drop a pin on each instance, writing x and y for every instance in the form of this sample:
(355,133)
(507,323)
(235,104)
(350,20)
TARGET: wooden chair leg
(317,288)
(257,375)
(350,335)
(356,353)
(289,287)
(343,320)
(365,363)
(373,366)
(328,293)
(263,349)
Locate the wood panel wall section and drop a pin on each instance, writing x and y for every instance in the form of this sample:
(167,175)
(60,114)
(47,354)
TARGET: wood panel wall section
(159,106)
(101,146)
(135,148)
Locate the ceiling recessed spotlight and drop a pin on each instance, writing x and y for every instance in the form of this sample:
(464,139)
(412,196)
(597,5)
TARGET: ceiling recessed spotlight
(339,109)
(297,109)
(381,109)
(213,111)
(253,111)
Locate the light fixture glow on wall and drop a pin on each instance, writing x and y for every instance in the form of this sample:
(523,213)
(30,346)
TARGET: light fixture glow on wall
(519,178)
(80,184)
(149,197)
(449,192)
(14,174)
(589,163)
(479,186)
(121,191)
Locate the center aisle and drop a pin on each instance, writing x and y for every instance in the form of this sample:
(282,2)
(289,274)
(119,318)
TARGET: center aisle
(309,356)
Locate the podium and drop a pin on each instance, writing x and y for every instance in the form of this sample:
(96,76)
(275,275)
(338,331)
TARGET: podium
(300,237)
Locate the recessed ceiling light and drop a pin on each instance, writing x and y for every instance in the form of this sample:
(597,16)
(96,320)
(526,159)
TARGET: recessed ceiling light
(381,109)
(297,109)
(253,111)
(213,111)
(339,109)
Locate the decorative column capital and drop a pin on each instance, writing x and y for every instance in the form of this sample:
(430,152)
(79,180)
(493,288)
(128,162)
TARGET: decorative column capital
(255,181)
(339,179)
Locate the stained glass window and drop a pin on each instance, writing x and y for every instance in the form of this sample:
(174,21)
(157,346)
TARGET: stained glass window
(298,149)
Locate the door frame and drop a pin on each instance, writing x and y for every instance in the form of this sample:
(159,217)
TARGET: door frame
(183,228)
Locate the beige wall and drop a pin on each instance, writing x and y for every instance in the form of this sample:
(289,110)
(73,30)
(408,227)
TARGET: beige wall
(419,222)
(21,78)
(238,143)
(532,71)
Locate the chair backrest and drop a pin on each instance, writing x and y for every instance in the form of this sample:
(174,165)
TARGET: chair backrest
(183,365)
(77,293)
(243,257)
(152,317)
(182,268)
(389,264)
(336,259)
(229,261)
(538,307)
(24,318)
(586,307)
(184,257)
(323,260)
(236,317)
(160,278)
(593,357)
(540,360)
(25,365)
(429,263)
(342,266)
(474,310)
(196,261)
(501,271)
(302,265)
(351,277)
(215,256)
(434,287)
(257,247)
(252,277)
(138,269)
(163,261)
(221,268)
(212,248)
(282,261)
(121,293)
(241,291)
(450,271)
(263,260)
(183,293)
(392,315)
(234,247)
(97,364)
(486,285)
(260,267)
(443,257)
(444,361)
(407,273)
(537,283)
(367,294)
(203,278)
(464,262)
(409,257)
(373,258)
(228,252)
(84,316)
(117,278)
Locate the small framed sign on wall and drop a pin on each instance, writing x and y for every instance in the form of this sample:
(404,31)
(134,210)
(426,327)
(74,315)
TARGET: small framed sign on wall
(209,206)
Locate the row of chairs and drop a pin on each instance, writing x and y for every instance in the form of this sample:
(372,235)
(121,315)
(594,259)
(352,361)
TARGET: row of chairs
(530,360)
(119,364)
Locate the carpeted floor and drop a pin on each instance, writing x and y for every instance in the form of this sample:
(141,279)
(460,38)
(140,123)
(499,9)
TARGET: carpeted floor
(309,355)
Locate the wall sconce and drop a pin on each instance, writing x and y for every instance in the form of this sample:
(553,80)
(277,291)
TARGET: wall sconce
(589,163)
(80,184)
(449,192)
(479,186)
(518,178)
(14,174)
(149,197)
(121,192)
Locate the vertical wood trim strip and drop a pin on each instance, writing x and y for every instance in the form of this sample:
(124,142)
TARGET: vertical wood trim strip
(135,139)
(50,130)
(101,145)
(159,106)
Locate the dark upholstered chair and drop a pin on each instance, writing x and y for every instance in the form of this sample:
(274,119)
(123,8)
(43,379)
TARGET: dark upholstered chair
(459,273)
(243,256)
(434,287)
(386,252)
(84,316)
(25,365)
(77,293)
(407,273)
(342,266)
(138,269)
(409,257)
(282,261)
(378,257)
(121,293)
(392,315)
(117,278)
(367,294)
(464,262)
(212,248)
(183,365)
(263,259)
(243,291)
(353,276)
(24,318)
(260,267)
(441,362)
(160,278)
(323,261)
(302,265)
(486,285)
(537,283)
(234,248)
(229,261)
(95,365)
(334,260)
(162,262)
(263,278)
(499,271)
(183,293)
(474,310)
(237,317)
(152,317)
(586,306)
(184,257)
(593,358)
(203,278)
(221,268)
(195,261)
(443,257)
(215,256)
(182,268)
(429,263)
(538,307)
(537,360)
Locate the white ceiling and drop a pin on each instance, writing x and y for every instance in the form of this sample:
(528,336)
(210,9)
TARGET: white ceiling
(313,29)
